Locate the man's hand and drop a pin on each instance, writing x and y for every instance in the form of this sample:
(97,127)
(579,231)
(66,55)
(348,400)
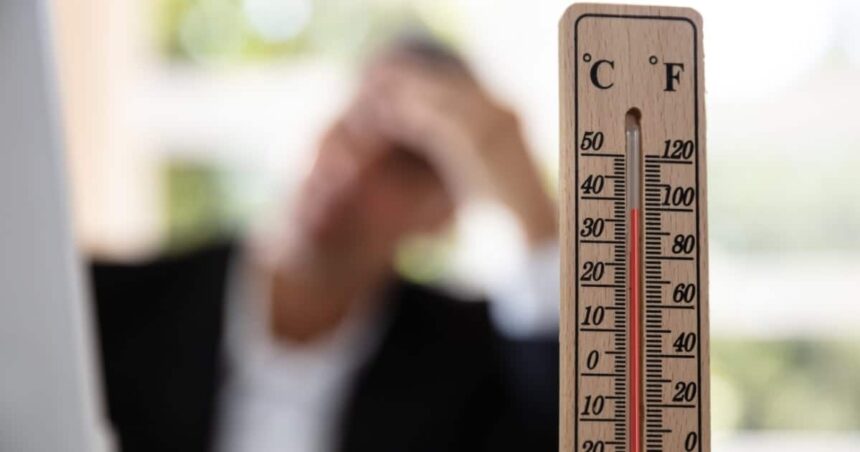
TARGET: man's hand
(476,144)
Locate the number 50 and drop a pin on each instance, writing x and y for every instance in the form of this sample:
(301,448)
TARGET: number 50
(591,140)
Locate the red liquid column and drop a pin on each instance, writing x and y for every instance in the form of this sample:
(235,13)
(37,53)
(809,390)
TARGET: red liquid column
(635,309)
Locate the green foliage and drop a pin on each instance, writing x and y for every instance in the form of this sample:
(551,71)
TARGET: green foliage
(197,205)
(424,259)
(790,384)
(226,32)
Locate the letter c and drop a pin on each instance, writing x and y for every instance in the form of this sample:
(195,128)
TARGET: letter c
(594,73)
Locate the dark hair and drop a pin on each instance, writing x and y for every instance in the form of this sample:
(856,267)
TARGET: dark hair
(423,46)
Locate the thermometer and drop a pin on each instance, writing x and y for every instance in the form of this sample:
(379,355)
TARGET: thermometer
(634,329)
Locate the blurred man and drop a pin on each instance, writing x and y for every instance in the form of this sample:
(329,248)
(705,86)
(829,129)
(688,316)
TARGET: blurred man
(307,340)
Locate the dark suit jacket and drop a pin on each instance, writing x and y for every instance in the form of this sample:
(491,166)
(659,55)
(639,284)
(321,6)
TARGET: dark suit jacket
(442,379)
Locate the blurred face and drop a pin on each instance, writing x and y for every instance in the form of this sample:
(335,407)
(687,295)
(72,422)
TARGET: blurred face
(364,195)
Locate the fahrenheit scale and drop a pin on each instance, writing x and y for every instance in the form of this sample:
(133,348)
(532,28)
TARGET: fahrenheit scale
(634,333)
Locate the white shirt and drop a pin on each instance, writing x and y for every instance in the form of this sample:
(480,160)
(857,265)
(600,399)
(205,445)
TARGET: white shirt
(288,398)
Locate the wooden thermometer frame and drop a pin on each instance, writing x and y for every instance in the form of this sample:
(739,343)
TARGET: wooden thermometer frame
(634,268)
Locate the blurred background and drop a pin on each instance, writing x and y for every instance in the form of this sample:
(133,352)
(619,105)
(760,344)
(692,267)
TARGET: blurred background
(188,120)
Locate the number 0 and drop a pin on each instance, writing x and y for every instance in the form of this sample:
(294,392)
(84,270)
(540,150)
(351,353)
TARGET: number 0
(691,441)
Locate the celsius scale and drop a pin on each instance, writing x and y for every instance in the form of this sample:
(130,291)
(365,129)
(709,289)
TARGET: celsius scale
(634,307)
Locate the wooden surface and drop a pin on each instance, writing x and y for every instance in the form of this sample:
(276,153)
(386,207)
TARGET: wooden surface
(637,43)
